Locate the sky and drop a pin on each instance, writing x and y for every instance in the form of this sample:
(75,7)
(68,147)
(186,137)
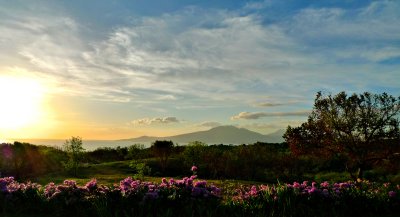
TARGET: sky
(122,69)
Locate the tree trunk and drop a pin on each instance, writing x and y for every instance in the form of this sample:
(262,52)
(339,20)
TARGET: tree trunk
(360,172)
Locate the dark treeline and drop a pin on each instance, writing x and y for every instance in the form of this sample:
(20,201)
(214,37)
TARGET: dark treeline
(265,162)
(23,160)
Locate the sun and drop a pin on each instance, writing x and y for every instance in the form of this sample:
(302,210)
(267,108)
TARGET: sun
(20,102)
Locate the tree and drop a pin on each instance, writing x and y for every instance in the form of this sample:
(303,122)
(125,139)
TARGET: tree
(136,152)
(364,128)
(74,149)
(194,153)
(162,150)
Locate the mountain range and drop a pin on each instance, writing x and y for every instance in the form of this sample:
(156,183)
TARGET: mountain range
(217,135)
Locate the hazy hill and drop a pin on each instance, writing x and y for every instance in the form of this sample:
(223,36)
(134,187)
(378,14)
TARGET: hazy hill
(217,135)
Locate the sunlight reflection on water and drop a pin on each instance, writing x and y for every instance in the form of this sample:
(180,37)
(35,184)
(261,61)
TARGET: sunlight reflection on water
(89,145)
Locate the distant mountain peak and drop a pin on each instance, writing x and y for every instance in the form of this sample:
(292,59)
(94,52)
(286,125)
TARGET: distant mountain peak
(226,134)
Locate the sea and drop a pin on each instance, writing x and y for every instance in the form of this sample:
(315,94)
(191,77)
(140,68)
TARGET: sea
(88,145)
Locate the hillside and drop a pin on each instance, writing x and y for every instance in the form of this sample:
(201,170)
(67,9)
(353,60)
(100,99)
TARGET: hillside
(218,135)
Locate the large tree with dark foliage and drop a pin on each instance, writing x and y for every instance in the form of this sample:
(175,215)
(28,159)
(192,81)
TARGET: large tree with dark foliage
(362,127)
(162,150)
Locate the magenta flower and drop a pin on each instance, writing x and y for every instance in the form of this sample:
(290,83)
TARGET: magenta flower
(194,168)
(392,194)
(70,183)
(253,191)
(91,185)
(313,190)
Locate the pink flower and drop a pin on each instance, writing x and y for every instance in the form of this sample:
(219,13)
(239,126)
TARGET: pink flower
(194,168)
(70,183)
(325,184)
(253,191)
(296,185)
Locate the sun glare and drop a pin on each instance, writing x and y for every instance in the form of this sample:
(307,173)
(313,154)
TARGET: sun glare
(20,102)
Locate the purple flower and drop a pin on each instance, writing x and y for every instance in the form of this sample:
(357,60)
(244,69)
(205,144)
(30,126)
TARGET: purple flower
(344,185)
(325,192)
(196,192)
(151,195)
(200,184)
(125,184)
(215,190)
(392,194)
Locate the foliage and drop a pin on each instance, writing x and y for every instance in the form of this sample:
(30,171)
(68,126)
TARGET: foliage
(23,160)
(136,152)
(162,150)
(141,169)
(73,147)
(363,128)
(194,152)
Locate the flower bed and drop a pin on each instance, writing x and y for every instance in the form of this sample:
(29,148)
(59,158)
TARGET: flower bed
(192,197)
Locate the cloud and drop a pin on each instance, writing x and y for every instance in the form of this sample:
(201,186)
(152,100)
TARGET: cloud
(268,104)
(271,126)
(368,34)
(253,5)
(195,57)
(151,121)
(209,124)
(258,115)
(167,97)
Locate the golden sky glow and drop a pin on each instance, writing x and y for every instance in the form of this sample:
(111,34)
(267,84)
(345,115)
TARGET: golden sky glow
(21,102)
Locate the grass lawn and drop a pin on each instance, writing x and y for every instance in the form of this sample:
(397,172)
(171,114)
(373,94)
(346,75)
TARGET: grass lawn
(112,172)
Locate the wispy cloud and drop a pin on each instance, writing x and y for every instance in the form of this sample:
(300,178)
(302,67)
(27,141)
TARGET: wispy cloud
(210,54)
(258,115)
(209,124)
(268,104)
(150,121)
(208,60)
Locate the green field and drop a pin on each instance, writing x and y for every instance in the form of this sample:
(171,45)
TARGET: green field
(111,173)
